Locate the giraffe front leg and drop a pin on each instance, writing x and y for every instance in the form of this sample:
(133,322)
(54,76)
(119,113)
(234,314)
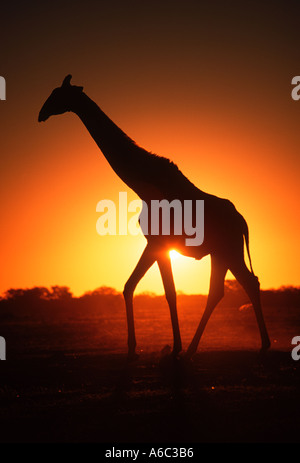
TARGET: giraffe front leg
(145,262)
(128,297)
(164,263)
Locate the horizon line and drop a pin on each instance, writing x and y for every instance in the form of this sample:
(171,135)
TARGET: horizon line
(144,292)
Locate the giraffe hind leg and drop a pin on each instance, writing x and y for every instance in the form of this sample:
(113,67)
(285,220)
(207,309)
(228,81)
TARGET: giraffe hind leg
(216,293)
(251,285)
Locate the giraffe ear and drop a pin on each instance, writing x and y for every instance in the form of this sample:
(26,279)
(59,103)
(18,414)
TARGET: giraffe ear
(67,81)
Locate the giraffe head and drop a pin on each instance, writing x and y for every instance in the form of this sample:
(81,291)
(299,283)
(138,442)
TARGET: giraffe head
(60,100)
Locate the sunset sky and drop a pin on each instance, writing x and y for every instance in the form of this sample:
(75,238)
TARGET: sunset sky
(206,84)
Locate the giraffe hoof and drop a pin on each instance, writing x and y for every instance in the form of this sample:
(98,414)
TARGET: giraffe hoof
(168,352)
(189,354)
(176,350)
(132,357)
(265,346)
(176,354)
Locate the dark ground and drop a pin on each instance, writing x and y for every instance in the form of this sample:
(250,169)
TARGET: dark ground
(68,381)
(221,396)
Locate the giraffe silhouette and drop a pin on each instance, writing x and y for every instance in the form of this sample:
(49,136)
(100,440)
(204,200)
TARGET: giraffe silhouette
(155,177)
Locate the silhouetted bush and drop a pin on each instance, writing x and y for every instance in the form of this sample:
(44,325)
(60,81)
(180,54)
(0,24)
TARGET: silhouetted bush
(42,303)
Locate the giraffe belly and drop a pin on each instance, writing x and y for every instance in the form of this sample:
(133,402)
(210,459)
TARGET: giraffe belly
(177,243)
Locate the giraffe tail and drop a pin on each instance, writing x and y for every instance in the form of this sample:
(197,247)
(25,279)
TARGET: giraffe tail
(246,236)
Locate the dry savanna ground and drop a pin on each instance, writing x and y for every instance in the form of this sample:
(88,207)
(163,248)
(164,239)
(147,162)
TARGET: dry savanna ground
(66,378)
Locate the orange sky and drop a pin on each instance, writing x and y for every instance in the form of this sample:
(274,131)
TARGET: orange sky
(208,87)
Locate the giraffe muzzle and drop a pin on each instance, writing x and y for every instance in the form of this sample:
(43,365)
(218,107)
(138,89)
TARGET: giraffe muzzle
(42,117)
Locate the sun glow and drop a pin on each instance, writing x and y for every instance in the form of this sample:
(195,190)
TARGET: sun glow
(174,254)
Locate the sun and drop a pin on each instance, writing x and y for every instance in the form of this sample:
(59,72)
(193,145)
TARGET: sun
(174,254)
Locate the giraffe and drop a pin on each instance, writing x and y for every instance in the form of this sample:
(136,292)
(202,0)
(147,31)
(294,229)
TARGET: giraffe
(155,177)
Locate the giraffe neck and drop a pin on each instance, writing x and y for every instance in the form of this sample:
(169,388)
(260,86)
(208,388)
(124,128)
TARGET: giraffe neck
(148,175)
(121,152)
